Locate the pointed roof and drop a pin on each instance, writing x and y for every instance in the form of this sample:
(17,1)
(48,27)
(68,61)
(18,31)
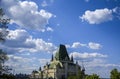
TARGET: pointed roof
(71,58)
(62,53)
(52,58)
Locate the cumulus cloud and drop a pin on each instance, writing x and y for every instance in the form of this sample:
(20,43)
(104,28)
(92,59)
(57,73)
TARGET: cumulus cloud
(101,65)
(77,44)
(94,45)
(67,46)
(43,61)
(94,61)
(91,45)
(98,16)
(20,40)
(30,63)
(26,14)
(16,63)
(87,55)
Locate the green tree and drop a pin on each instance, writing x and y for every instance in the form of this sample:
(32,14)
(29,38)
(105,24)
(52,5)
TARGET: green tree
(72,77)
(115,74)
(3,35)
(3,58)
(93,76)
(80,75)
(3,26)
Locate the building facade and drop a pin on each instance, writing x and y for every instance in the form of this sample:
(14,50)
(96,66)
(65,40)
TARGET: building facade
(61,66)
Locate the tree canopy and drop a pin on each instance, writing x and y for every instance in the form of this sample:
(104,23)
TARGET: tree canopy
(3,35)
(115,74)
(93,76)
(3,26)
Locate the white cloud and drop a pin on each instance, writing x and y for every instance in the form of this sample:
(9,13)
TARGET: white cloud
(77,44)
(67,46)
(25,64)
(101,65)
(21,41)
(92,45)
(87,55)
(26,14)
(98,65)
(22,64)
(98,16)
(18,59)
(41,45)
(111,65)
(116,11)
(49,29)
(44,61)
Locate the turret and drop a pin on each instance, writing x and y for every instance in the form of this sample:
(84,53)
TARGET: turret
(39,68)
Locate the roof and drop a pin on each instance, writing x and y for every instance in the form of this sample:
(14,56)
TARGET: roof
(62,53)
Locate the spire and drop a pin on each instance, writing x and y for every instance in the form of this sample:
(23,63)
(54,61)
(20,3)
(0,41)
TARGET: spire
(71,58)
(76,62)
(52,58)
(62,53)
(47,65)
(83,68)
(39,68)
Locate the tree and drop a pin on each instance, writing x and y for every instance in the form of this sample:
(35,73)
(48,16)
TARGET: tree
(3,58)
(3,26)
(3,35)
(115,74)
(93,76)
(80,75)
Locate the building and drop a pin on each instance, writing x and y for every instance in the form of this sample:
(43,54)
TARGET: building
(61,66)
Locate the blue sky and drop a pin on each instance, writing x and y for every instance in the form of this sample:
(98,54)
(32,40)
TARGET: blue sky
(89,29)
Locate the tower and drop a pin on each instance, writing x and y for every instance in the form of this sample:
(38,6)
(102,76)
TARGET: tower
(71,58)
(52,58)
(62,54)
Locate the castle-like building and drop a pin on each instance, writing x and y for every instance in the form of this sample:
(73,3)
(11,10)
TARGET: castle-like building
(61,66)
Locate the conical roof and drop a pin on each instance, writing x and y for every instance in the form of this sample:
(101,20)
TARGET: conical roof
(62,53)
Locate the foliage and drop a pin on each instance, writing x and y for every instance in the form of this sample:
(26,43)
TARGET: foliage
(3,58)
(72,77)
(3,26)
(1,12)
(7,76)
(79,76)
(3,34)
(115,74)
(93,76)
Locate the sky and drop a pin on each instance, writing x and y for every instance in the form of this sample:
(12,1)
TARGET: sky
(89,29)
